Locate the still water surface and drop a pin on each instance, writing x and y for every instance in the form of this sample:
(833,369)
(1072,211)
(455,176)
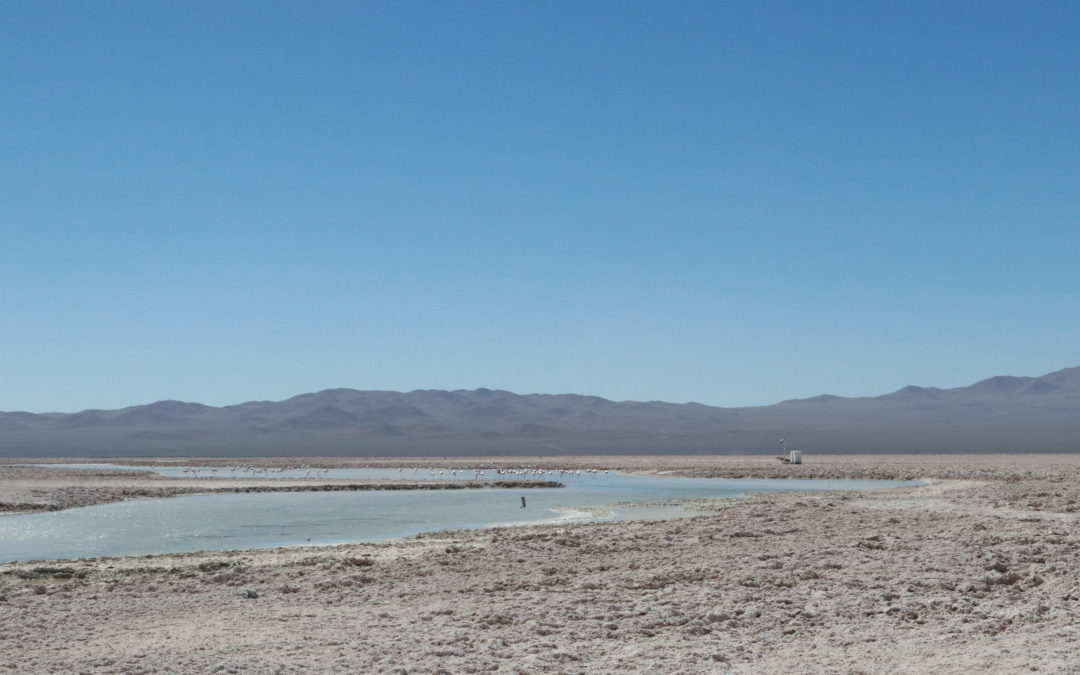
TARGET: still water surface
(258,520)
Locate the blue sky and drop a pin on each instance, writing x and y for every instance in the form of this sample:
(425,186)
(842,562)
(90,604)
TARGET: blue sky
(727,202)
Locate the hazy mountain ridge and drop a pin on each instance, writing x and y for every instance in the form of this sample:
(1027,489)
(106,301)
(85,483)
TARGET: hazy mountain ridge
(1003,413)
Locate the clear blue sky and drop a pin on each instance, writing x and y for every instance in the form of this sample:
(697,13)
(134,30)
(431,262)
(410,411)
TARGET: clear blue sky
(727,202)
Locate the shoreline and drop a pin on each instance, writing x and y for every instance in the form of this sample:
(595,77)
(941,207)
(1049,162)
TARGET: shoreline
(33,486)
(34,489)
(139,485)
(600,515)
(991,466)
(974,571)
(9,508)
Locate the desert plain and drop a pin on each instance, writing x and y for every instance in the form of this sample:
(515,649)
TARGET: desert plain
(978,570)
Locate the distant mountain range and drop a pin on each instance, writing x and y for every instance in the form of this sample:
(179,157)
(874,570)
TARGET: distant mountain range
(1000,414)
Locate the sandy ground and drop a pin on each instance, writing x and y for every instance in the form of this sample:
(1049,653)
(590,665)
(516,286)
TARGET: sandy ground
(979,571)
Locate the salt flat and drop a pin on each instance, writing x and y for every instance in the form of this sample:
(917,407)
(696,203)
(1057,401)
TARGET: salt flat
(975,571)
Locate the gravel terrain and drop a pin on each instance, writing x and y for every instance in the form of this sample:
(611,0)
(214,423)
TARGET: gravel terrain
(978,571)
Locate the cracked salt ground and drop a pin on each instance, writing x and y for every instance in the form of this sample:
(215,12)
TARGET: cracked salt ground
(799,583)
(258,519)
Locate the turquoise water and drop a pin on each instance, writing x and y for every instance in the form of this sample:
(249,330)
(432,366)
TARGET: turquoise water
(258,520)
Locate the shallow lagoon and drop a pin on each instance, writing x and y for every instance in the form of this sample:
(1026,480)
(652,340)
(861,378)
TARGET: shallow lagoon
(258,520)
